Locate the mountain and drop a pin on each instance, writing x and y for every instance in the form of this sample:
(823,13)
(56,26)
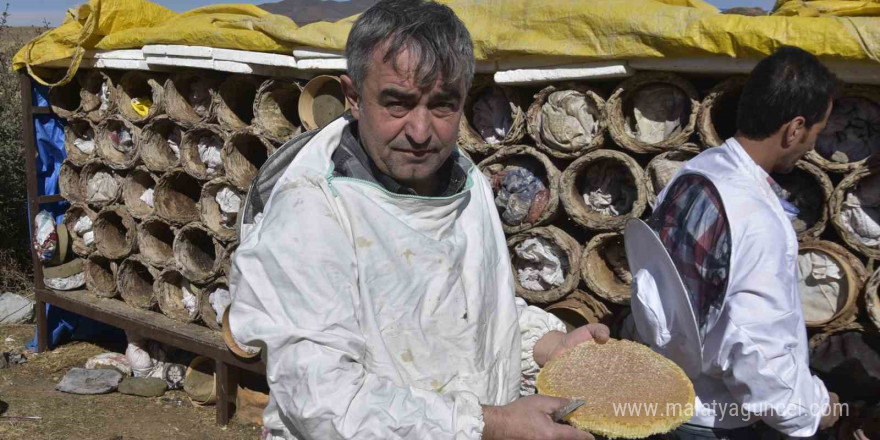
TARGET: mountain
(309,11)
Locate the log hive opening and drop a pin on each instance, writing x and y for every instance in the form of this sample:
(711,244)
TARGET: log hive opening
(140,96)
(493,116)
(100,276)
(65,100)
(138,189)
(176,197)
(80,221)
(118,143)
(70,182)
(717,119)
(661,169)
(852,133)
(176,296)
(102,186)
(115,233)
(603,189)
(652,112)
(526,187)
(809,189)
(155,241)
(545,261)
(189,97)
(220,204)
(235,101)
(579,309)
(200,382)
(321,102)
(135,281)
(213,301)
(98,95)
(79,141)
(160,144)
(605,269)
(567,121)
(276,110)
(829,280)
(855,211)
(243,155)
(198,255)
(201,152)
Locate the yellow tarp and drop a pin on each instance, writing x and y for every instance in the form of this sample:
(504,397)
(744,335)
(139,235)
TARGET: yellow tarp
(582,30)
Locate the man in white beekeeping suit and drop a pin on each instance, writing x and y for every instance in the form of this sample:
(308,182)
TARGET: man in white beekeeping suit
(726,225)
(377,277)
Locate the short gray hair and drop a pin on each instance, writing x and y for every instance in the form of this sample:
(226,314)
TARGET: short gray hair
(430,31)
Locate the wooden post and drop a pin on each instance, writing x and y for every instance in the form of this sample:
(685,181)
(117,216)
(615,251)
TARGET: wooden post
(30,155)
(227,388)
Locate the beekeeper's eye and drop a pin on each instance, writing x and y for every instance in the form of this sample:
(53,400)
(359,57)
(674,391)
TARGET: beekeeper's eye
(444,108)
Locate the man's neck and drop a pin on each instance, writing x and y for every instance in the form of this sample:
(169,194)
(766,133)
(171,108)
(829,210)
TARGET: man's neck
(761,151)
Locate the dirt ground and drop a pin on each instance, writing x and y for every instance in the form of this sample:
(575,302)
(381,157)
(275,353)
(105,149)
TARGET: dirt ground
(28,390)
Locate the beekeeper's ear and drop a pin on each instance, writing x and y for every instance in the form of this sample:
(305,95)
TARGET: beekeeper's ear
(351,95)
(795,132)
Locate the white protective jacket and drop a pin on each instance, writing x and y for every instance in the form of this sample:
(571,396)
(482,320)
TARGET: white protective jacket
(755,357)
(383,315)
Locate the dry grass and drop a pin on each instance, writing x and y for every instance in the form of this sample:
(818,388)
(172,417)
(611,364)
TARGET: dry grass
(28,390)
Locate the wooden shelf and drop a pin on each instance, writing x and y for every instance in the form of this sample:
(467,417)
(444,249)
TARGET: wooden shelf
(49,199)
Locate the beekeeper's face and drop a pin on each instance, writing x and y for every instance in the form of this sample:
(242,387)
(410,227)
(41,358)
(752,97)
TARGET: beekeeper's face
(409,131)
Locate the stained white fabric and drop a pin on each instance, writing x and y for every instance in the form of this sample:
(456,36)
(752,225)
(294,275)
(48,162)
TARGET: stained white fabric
(220,300)
(74,281)
(398,322)
(608,189)
(658,111)
(102,188)
(173,141)
(83,224)
(189,300)
(147,358)
(492,116)
(229,203)
(111,359)
(147,197)
(568,120)
(538,264)
(860,213)
(122,140)
(89,238)
(209,153)
(755,351)
(84,145)
(821,281)
(105,97)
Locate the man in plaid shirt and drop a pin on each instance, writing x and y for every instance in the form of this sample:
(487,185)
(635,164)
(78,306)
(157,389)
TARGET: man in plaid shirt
(726,225)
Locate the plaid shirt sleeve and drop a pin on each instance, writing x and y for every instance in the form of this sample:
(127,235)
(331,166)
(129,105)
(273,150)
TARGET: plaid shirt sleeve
(692,225)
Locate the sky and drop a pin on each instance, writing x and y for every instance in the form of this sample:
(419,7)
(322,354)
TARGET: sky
(33,12)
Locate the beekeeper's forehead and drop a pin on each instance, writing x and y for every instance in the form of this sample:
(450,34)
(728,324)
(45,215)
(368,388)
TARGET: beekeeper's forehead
(438,43)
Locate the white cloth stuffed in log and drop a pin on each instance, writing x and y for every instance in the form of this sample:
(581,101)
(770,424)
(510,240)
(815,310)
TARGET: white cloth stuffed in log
(229,203)
(659,111)
(398,322)
(83,228)
(821,281)
(860,213)
(608,189)
(568,120)
(539,264)
(220,300)
(102,188)
(173,140)
(492,116)
(209,153)
(147,197)
(86,144)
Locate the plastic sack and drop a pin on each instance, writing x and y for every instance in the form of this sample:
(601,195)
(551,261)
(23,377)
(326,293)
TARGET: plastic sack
(45,236)
(141,105)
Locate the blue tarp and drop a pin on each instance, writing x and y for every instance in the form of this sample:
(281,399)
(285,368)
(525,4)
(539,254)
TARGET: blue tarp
(49,130)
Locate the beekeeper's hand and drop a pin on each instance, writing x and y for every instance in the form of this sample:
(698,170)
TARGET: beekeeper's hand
(831,418)
(528,418)
(554,343)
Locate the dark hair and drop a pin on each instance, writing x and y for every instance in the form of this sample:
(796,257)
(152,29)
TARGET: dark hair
(430,31)
(783,86)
